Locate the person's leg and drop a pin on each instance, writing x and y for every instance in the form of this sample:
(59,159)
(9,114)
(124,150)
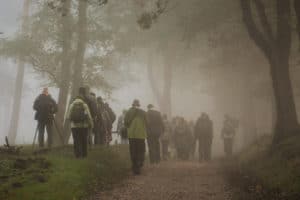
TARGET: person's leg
(200,150)
(132,150)
(76,142)
(41,128)
(157,151)
(141,152)
(230,146)
(164,149)
(84,138)
(49,128)
(150,142)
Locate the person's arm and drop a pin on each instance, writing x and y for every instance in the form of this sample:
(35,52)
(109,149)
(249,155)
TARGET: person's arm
(36,104)
(69,111)
(90,119)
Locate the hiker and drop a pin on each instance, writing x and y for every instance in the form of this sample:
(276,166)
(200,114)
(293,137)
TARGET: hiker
(93,110)
(136,124)
(203,132)
(101,123)
(111,118)
(155,127)
(165,139)
(45,107)
(81,122)
(228,133)
(121,129)
(183,139)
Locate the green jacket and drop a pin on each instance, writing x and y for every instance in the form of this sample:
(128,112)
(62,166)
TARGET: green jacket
(86,124)
(135,122)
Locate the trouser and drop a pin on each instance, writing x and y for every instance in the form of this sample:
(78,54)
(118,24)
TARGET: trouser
(165,149)
(137,150)
(204,149)
(41,136)
(228,146)
(80,137)
(154,149)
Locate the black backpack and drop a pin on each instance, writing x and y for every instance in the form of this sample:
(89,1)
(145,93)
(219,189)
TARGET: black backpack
(78,114)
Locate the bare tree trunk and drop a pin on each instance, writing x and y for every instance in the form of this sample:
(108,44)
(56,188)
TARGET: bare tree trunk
(163,96)
(276,47)
(77,79)
(14,122)
(65,78)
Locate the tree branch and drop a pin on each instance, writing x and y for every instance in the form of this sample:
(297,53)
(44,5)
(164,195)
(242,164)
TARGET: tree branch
(253,30)
(264,20)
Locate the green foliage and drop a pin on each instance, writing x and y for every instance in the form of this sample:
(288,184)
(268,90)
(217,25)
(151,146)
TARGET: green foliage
(66,177)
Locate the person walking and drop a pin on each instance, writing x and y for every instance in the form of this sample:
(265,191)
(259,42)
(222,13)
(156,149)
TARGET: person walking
(136,124)
(228,133)
(155,130)
(203,132)
(45,107)
(81,122)
(165,139)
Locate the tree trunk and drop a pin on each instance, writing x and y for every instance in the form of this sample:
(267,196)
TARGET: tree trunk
(77,79)
(286,116)
(65,79)
(14,122)
(163,97)
(276,47)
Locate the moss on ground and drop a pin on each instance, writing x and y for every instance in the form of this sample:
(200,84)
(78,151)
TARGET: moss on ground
(58,175)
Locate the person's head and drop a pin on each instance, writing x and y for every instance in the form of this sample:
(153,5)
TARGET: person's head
(99,100)
(82,91)
(136,103)
(150,106)
(93,94)
(45,91)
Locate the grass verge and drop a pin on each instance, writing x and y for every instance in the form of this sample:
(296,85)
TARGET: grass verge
(57,175)
(262,173)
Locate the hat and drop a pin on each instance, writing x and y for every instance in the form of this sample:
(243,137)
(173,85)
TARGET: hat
(150,106)
(136,103)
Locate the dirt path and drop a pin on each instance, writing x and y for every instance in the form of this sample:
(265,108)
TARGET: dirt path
(172,181)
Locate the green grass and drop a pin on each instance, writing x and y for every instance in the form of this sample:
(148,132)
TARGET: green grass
(266,174)
(67,178)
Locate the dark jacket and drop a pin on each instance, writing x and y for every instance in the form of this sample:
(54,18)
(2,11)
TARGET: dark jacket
(92,104)
(155,123)
(203,128)
(45,107)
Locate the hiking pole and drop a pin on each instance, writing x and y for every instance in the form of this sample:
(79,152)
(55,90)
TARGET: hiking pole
(35,134)
(59,132)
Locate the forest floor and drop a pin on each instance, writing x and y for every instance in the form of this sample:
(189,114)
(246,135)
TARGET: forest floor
(173,180)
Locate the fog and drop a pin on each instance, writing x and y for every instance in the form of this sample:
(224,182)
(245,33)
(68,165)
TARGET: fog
(185,61)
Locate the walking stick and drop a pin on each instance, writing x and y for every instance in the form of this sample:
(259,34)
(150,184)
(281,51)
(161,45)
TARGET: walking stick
(35,134)
(59,132)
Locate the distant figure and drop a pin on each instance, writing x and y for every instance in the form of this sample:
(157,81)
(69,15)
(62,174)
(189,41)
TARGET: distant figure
(183,139)
(45,107)
(111,118)
(204,134)
(81,122)
(101,123)
(165,139)
(136,124)
(121,129)
(228,133)
(155,129)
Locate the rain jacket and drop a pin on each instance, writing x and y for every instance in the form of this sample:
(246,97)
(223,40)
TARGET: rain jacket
(136,123)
